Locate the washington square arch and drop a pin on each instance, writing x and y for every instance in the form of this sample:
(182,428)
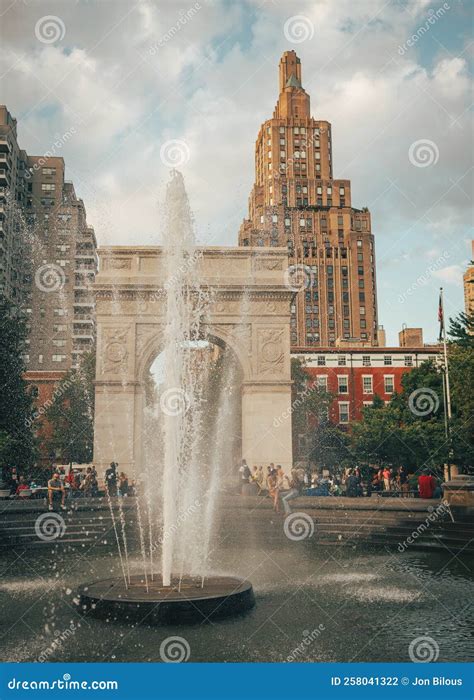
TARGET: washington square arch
(249,313)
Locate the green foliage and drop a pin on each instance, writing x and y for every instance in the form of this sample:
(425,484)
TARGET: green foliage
(461,330)
(17,442)
(314,437)
(71,414)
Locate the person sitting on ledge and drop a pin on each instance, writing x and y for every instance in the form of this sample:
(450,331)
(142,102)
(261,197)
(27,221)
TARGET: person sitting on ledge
(56,492)
(22,486)
(296,488)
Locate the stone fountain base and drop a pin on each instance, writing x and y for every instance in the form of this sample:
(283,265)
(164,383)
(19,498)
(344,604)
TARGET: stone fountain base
(220,597)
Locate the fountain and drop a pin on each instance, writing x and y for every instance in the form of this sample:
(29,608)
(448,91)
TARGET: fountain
(180,501)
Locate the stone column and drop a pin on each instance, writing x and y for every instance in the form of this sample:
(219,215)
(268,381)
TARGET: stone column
(266,424)
(266,398)
(115,395)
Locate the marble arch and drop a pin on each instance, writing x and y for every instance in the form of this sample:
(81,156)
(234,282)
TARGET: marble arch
(250,313)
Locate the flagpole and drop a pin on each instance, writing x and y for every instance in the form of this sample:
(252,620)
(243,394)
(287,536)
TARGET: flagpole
(446,367)
(447,394)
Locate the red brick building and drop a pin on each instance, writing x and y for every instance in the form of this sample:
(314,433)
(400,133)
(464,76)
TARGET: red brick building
(356,374)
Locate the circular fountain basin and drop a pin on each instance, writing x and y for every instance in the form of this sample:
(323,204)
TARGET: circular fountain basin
(188,601)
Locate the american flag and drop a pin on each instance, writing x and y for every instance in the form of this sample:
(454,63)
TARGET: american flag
(441,316)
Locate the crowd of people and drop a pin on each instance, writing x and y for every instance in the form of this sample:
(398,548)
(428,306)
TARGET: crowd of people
(61,485)
(281,488)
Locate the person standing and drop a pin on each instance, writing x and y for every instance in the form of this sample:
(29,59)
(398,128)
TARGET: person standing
(56,492)
(403,480)
(386,479)
(426,485)
(111,479)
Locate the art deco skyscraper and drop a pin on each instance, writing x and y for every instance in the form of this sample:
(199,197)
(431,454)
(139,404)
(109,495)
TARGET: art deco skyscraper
(296,202)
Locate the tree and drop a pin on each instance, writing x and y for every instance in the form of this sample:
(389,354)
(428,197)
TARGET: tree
(310,406)
(410,430)
(18,446)
(461,330)
(461,380)
(71,413)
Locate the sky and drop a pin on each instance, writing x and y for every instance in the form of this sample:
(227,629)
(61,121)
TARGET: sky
(124,90)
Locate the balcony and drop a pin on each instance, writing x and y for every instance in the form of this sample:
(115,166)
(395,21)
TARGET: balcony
(4,145)
(83,304)
(83,318)
(4,176)
(83,335)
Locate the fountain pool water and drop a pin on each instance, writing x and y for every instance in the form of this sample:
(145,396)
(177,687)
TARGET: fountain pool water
(179,487)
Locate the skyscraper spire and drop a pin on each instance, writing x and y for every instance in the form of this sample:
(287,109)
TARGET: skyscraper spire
(296,202)
(293,101)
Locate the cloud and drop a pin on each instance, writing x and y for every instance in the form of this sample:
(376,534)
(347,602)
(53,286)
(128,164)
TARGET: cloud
(130,77)
(450,275)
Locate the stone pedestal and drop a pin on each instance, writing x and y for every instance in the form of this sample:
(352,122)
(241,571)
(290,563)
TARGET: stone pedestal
(459,493)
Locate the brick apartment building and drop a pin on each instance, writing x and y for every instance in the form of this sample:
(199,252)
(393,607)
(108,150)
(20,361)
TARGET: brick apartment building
(296,203)
(355,375)
(48,261)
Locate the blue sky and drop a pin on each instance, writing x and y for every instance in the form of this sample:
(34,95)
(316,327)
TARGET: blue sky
(122,79)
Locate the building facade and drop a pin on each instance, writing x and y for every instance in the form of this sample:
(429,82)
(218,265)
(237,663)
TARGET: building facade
(48,263)
(356,375)
(468,281)
(13,276)
(297,203)
(60,301)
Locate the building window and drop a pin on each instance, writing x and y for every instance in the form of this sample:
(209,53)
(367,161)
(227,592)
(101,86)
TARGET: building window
(48,187)
(343,384)
(58,358)
(367,384)
(408,361)
(388,384)
(321,360)
(322,382)
(343,411)
(341,360)
(59,343)
(40,359)
(387,359)
(366,361)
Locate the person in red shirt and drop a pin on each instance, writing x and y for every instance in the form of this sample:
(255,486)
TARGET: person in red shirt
(22,485)
(426,485)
